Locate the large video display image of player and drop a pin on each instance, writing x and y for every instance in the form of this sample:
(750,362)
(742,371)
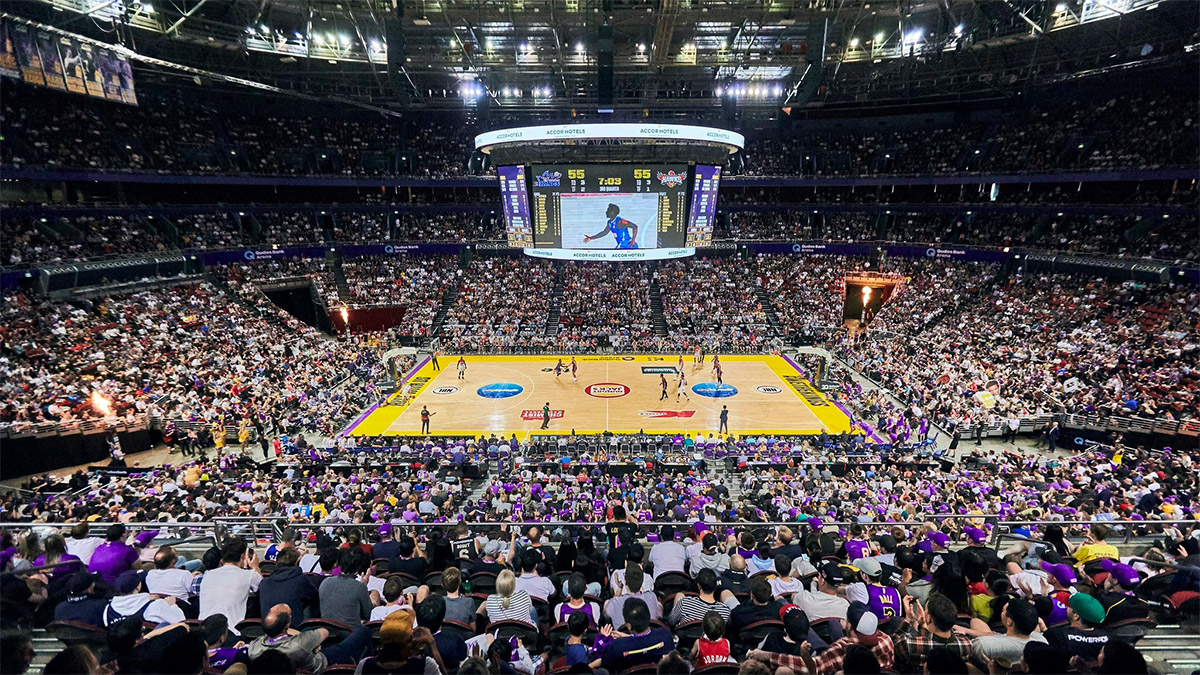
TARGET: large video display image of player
(609,206)
(620,221)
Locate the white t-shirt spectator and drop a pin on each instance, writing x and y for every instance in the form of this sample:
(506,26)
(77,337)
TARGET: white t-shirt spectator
(83,548)
(537,586)
(225,591)
(174,582)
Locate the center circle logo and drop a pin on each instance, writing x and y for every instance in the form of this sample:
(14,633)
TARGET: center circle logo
(606,390)
(767,389)
(446,390)
(500,390)
(714,390)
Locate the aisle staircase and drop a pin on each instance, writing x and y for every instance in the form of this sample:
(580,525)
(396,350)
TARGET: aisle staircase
(554,316)
(339,277)
(656,310)
(449,295)
(768,307)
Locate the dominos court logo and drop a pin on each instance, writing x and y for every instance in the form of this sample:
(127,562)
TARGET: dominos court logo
(606,390)
(767,389)
(444,391)
(670,178)
(714,390)
(500,390)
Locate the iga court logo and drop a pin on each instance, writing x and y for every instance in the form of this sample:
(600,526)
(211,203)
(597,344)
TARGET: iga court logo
(714,390)
(606,390)
(500,390)
(548,179)
(670,178)
(656,414)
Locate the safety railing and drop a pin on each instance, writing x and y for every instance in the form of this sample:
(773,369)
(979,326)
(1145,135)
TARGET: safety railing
(270,528)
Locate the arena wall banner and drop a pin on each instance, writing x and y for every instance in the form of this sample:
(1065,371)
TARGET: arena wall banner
(245,255)
(46,59)
(903,251)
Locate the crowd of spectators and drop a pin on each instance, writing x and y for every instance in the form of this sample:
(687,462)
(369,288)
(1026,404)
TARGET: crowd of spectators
(502,303)
(887,566)
(187,353)
(712,302)
(1140,131)
(413,282)
(602,303)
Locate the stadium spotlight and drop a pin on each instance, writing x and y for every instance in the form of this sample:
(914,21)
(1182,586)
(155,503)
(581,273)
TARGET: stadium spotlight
(958,30)
(345,40)
(578,46)
(507,91)
(147,8)
(375,45)
(854,43)
(263,28)
(879,37)
(524,46)
(1061,7)
(778,90)
(320,39)
(719,92)
(914,37)
(642,47)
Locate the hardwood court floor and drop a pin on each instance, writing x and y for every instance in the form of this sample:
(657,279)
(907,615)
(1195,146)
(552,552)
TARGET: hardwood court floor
(505,394)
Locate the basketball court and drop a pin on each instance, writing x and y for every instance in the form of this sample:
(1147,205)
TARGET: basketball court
(505,394)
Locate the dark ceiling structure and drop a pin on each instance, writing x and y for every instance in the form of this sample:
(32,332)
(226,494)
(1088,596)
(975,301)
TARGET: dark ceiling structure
(689,56)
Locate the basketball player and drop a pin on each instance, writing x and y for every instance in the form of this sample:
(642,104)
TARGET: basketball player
(680,366)
(695,357)
(619,227)
(574,369)
(558,369)
(717,370)
(462,368)
(682,389)
(663,383)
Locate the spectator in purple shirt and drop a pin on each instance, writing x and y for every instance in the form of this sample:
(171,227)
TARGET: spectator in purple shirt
(113,556)
(55,553)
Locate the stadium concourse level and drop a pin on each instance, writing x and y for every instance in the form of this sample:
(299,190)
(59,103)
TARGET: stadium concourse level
(1130,131)
(29,241)
(395,561)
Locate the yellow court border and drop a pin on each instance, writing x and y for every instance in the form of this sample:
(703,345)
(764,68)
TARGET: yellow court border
(379,419)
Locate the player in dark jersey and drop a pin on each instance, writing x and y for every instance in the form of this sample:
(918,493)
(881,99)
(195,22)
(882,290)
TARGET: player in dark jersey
(619,227)
(574,369)
(663,383)
(558,369)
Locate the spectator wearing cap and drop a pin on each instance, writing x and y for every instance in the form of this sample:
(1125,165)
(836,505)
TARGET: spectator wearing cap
(862,629)
(762,607)
(694,607)
(884,601)
(114,556)
(1082,636)
(287,585)
(1020,621)
(226,589)
(641,645)
(977,543)
(825,602)
(710,557)
(389,546)
(929,627)
(493,552)
(1118,598)
(81,604)
(857,545)
(796,635)
(667,555)
(131,602)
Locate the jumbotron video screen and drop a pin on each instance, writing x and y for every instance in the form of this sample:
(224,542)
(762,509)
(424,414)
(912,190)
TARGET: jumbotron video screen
(609,206)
